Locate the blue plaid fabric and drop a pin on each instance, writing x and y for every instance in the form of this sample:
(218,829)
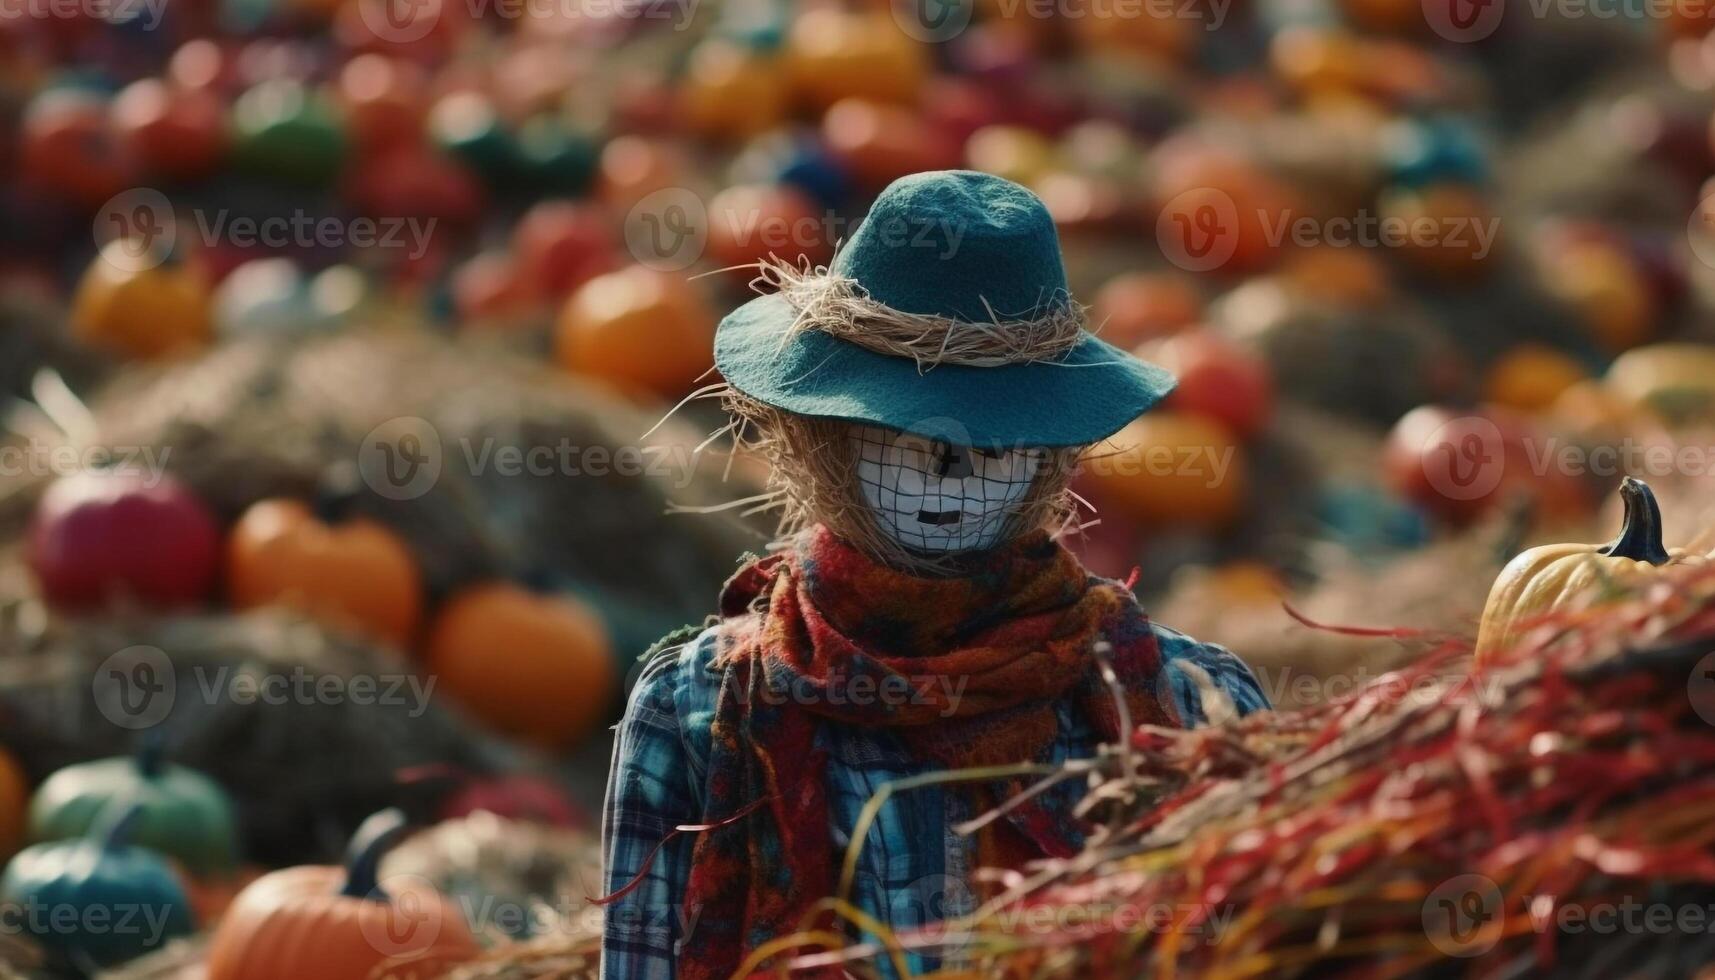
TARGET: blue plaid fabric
(913,870)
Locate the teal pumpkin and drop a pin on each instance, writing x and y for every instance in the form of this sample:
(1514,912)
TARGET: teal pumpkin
(184,814)
(97,900)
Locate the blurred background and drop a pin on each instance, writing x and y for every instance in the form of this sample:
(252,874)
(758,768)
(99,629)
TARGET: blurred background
(335,336)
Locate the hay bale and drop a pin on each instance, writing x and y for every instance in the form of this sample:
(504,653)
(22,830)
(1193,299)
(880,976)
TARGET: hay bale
(304,764)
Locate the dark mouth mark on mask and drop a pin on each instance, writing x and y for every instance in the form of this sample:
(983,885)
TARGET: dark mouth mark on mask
(939,518)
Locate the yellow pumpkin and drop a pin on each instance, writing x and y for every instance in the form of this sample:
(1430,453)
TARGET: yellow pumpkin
(1554,577)
(1675,381)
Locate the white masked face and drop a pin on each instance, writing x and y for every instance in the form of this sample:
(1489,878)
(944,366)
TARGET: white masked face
(931,496)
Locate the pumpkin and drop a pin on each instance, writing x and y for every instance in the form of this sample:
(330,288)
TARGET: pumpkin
(878,143)
(136,300)
(97,899)
(1456,208)
(1172,468)
(643,331)
(832,54)
(1218,379)
(1674,381)
(1531,377)
(1459,465)
(1137,306)
(731,91)
(751,223)
(1556,576)
(285,131)
(561,245)
(536,666)
(66,147)
(338,923)
(177,133)
(352,574)
(182,813)
(383,99)
(14,803)
(115,534)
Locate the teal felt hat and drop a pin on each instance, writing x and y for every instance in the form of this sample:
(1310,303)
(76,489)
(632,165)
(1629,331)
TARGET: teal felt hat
(946,314)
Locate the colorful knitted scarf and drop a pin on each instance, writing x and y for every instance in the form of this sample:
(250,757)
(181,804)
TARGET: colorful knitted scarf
(820,633)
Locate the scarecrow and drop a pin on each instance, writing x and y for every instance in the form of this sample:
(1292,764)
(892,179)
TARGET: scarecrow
(924,403)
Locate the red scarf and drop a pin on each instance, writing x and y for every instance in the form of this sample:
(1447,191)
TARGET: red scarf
(820,633)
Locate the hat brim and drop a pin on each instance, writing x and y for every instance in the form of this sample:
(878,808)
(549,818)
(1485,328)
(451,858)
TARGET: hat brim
(1086,395)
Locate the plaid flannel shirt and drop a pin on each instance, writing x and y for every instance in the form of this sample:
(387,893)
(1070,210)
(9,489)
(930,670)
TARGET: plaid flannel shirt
(913,870)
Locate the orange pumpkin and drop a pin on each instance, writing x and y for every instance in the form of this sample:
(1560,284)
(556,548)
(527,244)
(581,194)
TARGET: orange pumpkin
(14,803)
(1456,211)
(354,574)
(641,330)
(832,54)
(1530,377)
(1137,306)
(136,303)
(731,92)
(1172,468)
(539,667)
(339,923)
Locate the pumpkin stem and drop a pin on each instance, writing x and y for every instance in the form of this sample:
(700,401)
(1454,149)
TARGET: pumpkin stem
(151,754)
(374,838)
(117,823)
(1640,531)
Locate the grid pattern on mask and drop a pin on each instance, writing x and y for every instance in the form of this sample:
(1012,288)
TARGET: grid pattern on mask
(966,515)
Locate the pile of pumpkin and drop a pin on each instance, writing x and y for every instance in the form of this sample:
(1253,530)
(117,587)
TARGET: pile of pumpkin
(131,854)
(534,665)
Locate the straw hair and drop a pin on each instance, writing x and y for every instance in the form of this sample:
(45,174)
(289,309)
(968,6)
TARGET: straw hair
(813,478)
(840,307)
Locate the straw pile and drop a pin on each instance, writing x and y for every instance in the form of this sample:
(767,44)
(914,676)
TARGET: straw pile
(1556,811)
